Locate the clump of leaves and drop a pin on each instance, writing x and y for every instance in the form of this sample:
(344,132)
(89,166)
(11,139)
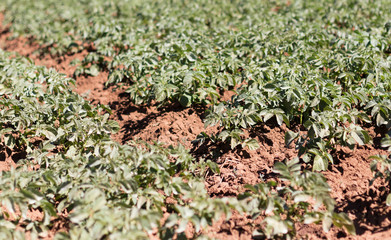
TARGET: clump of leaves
(381,166)
(302,197)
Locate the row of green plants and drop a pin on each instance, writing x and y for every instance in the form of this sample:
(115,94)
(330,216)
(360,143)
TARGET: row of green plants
(73,172)
(381,166)
(324,65)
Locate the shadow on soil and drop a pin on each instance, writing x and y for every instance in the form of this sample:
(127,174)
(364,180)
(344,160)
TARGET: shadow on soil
(133,127)
(15,154)
(370,211)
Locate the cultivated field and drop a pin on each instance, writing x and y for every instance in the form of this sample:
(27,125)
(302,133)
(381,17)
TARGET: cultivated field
(155,119)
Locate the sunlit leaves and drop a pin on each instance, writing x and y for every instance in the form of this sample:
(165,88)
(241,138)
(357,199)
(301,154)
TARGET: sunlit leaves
(301,191)
(381,166)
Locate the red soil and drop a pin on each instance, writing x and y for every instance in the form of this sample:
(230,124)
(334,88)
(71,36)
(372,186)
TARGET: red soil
(348,177)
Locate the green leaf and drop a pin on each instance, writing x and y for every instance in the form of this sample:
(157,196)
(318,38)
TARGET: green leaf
(33,195)
(114,125)
(279,118)
(252,144)
(278,226)
(185,100)
(191,57)
(388,200)
(182,226)
(234,142)
(302,198)
(386,141)
(360,137)
(326,223)
(267,116)
(342,220)
(48,207)
(93,70)
(78,217)
(9,140)
(290,137)
(320,163)
(48,147)
(213,166)
(171,220)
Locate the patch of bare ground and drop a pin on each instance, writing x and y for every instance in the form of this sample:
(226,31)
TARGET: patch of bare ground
(171,125)
(241,166)
(238,227)
(349,180)
(6,160)
(10,157)
(348,177)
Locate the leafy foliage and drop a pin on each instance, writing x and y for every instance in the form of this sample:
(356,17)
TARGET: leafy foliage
(323,64)
(303,198)
(381,166)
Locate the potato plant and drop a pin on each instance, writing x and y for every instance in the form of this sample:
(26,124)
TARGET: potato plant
(381,166)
